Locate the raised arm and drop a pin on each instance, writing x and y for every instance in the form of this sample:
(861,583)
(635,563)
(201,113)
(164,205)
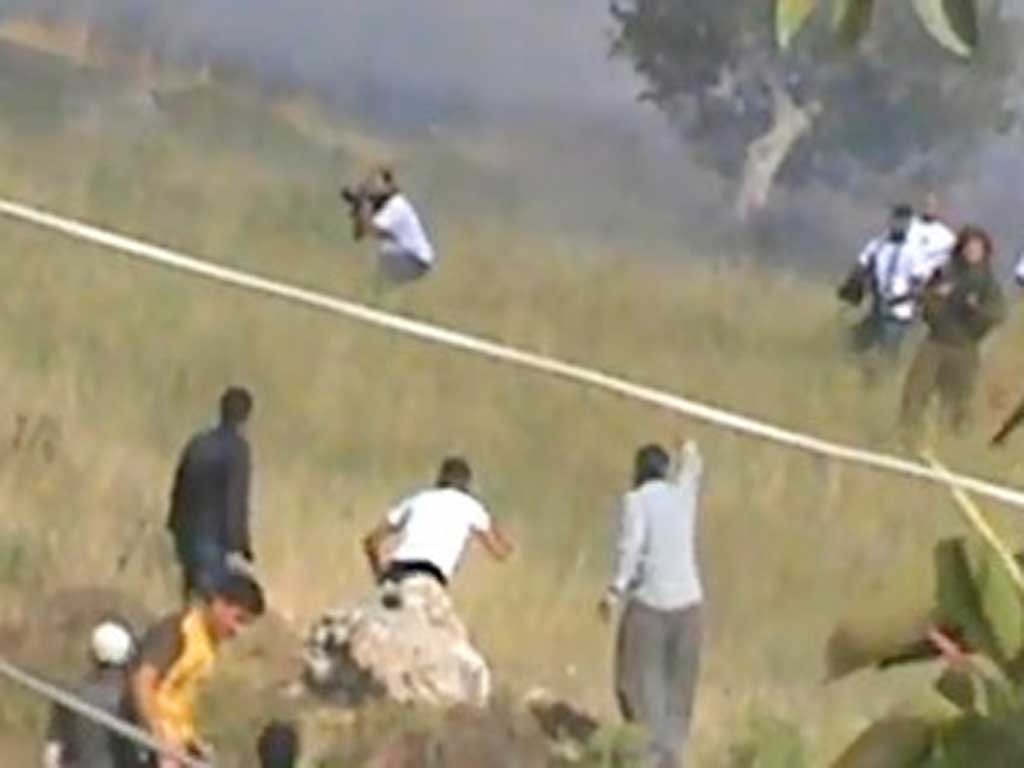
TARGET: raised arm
(362,215)
(691,464)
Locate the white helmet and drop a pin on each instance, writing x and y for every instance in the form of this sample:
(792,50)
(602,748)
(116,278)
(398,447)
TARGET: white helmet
(112,644)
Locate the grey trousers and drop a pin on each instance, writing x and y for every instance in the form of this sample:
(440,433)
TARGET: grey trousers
(657,662)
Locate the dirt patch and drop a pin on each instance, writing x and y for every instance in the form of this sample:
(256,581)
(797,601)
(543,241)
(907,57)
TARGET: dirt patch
(463,738)
(18,750)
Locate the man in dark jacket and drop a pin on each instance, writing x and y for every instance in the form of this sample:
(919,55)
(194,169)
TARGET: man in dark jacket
(209,516)
(961,305)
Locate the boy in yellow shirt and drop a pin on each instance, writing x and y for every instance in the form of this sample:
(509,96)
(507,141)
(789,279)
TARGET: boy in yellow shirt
(177,656)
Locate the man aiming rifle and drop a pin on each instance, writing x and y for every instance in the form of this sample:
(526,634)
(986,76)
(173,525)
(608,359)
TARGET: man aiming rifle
(378,208)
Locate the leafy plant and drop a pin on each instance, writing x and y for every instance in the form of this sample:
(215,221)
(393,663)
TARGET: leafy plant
(783,94)
(952,23)
(974,714)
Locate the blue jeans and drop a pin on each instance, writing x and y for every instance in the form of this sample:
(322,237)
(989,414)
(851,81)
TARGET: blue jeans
(203,563)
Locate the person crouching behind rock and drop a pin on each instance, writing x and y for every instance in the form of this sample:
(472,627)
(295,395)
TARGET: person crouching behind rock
(407,639)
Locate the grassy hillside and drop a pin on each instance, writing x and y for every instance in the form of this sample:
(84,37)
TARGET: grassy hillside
(109,365)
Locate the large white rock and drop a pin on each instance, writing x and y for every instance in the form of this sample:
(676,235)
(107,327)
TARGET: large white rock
(405,643)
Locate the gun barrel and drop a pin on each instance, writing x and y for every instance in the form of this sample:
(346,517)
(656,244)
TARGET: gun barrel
(1009,425)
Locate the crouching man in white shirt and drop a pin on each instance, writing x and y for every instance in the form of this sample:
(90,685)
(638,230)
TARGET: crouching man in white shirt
(432,529)
(404,249)
(407,637)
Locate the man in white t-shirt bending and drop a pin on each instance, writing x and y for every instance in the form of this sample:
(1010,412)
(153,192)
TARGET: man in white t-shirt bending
(404,249)
(433,528)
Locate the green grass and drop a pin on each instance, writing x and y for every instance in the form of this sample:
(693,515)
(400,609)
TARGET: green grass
(126,360)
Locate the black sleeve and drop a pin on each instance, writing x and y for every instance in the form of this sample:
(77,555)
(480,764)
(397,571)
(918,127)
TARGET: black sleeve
(57,728)
(239,472)
(178,490)
(175,502)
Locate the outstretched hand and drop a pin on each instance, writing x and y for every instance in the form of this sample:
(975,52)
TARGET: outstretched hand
(607,606)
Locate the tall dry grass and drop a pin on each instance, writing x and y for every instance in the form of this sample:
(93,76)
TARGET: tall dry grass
(121,361)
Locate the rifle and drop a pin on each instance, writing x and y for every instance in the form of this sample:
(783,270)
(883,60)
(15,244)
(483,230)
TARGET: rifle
(1009,425)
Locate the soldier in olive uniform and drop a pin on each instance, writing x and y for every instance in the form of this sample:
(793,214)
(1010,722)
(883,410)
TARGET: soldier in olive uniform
(960,305)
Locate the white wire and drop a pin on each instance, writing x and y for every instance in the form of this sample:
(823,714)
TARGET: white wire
(497,351)
(98,716)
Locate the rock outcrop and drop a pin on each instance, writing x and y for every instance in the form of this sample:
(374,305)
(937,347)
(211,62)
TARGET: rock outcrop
(406,643)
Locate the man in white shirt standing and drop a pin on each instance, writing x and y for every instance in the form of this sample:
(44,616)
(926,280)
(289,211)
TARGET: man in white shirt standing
(658,580)
(433,528)
(404,248)
(931,238)
(890,271)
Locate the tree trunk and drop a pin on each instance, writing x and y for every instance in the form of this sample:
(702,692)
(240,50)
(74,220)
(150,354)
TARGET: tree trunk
(766,154)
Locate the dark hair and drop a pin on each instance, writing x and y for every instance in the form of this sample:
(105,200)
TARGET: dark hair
(235,405)
(278,745)
(652,463)
(455,473)
(241,590)
(965,236)
(902,211)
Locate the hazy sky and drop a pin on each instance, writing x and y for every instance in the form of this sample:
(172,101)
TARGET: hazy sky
(500,52)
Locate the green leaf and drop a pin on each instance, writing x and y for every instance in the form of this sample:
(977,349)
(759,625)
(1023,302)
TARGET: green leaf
(851,19)
(999,599)
(981,741)
(893,741)
(959,605)
(958,687)
(952,23)
(790,17)
(977,596)
(985,689)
